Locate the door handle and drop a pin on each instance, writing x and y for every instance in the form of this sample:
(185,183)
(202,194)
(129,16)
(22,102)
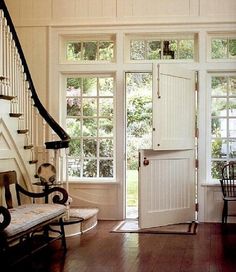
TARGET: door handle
(145,161)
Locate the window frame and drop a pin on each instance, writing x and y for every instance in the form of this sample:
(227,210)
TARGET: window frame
(82,179)
(160,36)
(64,39)
(219,35)
(209,137)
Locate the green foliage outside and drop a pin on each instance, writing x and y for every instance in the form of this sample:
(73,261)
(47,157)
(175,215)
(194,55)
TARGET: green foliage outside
(90,50)
(223,148)
(90,156)
(152,49)
(139,127)
(223,48)
(132,188)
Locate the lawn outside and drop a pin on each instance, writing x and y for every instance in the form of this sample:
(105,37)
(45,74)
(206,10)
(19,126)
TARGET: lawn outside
(132,188)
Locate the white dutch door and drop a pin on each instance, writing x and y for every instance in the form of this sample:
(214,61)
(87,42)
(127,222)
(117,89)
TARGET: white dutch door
(167,172)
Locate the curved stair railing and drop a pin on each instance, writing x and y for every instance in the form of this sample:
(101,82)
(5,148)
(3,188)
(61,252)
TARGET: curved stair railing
(16,85)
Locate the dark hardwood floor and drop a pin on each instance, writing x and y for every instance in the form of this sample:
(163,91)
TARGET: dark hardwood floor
(210,250)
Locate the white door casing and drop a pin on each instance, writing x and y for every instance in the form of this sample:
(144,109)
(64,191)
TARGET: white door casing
(167,173)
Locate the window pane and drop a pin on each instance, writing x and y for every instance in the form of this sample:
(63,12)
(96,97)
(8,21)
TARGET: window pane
(106,50)
(219,48)
(154,50)
(232,149)
(75,148)
(73,106)
(232,107)
(219,127)
(219,86)
(186,49)
(74,86)
(73,51)
(84,110)
(219,148)
(90,168)
(106,168)
(106,107)
(216,167)
(232,128)
(170,51)
(219,107)
(90,50)
(106,86)
(89,107)
(105,127)
(73,127)
(74,167)
(90,148)
(223,142)
(137,50)
(106,148)
(232,48)
(89,127)
(90,86)
(232,86)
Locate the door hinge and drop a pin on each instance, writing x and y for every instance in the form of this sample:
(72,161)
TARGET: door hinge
(139,160)
(196,82)
(196,132)
(196,163)
(196,207)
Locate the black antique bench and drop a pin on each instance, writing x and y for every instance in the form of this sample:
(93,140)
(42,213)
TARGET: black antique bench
(25,228)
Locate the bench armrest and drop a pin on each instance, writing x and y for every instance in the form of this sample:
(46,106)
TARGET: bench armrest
(60,195)
(5,214)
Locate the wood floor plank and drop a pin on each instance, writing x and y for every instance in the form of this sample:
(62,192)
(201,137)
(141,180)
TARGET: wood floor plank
(99,250)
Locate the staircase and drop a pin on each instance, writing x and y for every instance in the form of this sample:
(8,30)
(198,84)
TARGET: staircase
(29,136)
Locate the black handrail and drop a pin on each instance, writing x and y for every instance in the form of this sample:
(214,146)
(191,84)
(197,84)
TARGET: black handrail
(37,103)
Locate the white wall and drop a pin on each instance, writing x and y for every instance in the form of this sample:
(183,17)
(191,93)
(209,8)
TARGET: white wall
(37,20)
(77,12)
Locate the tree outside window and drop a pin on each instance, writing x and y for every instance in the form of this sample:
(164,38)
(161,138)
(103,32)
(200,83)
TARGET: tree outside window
(223,122)
(90,123)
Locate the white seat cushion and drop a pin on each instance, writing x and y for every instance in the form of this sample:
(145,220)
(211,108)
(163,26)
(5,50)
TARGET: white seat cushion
(27,216)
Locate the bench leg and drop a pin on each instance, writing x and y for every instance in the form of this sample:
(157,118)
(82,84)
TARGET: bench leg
(63,237)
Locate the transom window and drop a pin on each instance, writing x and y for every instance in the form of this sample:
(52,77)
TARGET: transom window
(151,48)
(89,49)
(223,122)
(223,47)
(90,123)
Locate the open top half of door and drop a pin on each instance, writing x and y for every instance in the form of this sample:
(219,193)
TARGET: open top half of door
(173,107)
(167,173)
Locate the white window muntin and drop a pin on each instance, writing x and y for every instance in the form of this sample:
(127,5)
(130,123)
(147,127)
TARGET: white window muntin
(83,38)
(161,37)
(219,35)
(97,137)
(226,138)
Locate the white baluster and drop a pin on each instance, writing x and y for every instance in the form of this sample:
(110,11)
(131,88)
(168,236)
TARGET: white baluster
(8,61)
(4,55)
(1,45)
(36,127)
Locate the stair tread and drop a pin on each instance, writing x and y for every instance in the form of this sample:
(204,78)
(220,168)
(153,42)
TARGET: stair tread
(33,161)
(28,146)
(22,131)
(15,114)
(6,97)
(83,212)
